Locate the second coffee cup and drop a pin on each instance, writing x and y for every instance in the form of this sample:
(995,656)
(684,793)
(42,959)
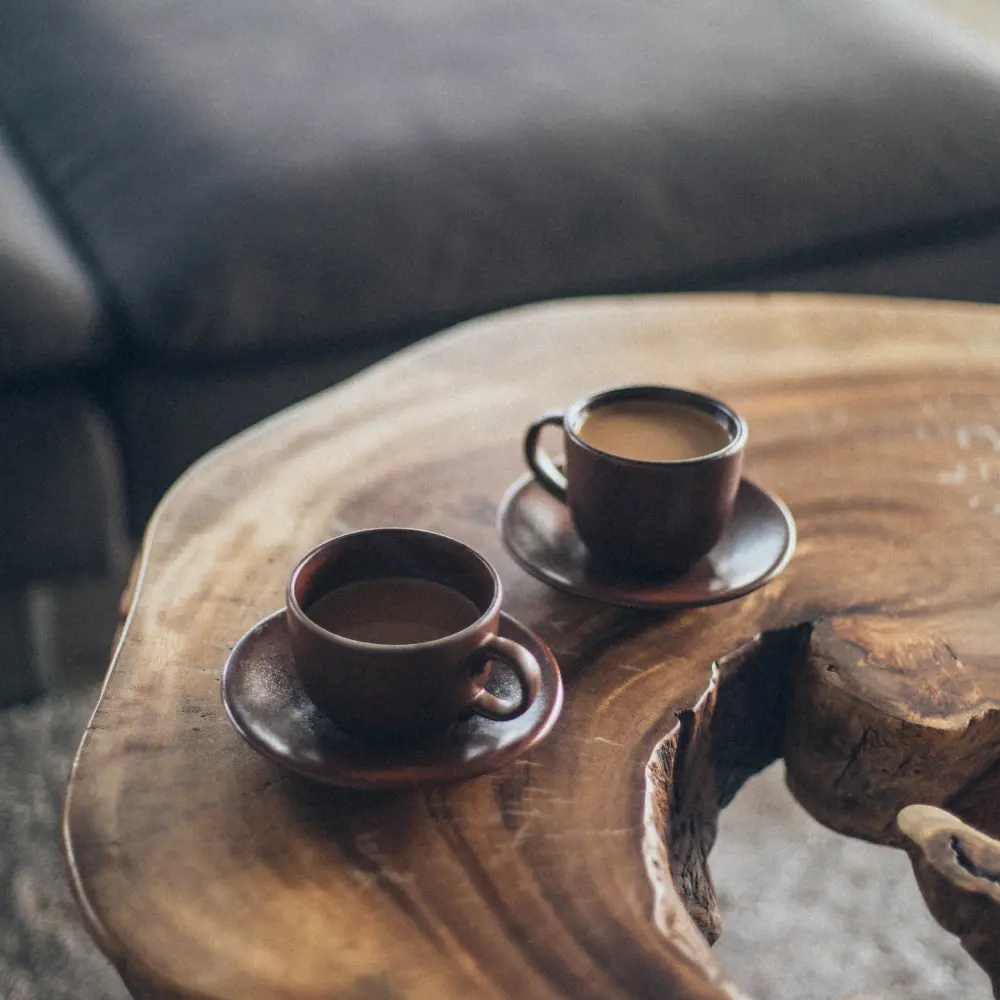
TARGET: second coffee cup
(651,474)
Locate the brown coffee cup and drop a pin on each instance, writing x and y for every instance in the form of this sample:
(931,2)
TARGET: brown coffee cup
(421,613)
(645,513)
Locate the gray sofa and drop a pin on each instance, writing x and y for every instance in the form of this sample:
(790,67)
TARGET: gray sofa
(211,208)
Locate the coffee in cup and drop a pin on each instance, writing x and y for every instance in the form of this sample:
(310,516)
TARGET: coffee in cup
(392,611)
(650,431)
(394,632)
(651,474)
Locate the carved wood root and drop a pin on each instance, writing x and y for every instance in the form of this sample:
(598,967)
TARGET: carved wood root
(958,871)
(850,760)
(886,713)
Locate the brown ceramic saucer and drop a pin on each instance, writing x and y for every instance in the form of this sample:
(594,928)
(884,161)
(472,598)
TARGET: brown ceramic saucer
(756,546)
(269,709)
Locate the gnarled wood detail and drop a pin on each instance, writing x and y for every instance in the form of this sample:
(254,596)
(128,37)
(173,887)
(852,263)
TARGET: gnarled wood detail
(958,871)
(872,664)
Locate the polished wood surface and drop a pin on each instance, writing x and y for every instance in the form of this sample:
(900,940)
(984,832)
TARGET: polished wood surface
(872,664)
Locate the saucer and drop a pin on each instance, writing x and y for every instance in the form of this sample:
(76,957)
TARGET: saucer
(758,542)
(269,709)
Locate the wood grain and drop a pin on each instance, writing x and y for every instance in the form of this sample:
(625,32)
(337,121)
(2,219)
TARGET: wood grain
(871,664)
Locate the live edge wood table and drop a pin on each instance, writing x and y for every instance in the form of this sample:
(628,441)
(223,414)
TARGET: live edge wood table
(872,665)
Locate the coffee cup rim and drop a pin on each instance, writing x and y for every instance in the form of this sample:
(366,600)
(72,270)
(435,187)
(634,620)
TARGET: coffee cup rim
(665,393)
(292,602)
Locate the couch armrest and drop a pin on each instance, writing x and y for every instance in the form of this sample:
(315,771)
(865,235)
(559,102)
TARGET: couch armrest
(50,314)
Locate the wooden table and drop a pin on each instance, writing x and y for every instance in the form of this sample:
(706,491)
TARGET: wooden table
(872,665)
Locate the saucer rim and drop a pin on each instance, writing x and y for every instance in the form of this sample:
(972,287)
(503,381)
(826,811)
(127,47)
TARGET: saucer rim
(401,774)
(638,602)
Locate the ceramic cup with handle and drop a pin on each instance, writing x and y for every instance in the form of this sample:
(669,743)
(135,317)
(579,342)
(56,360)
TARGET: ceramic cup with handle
(650,477)
(394,632)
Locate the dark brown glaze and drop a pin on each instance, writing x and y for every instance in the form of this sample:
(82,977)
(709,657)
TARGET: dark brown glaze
(271,711)
(645,519)
(756,545)
(403,692)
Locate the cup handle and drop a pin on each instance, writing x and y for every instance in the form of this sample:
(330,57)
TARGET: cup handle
(539,460)
(529,676)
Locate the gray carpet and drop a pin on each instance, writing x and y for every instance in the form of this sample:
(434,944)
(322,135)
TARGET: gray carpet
(811,915)
(808,914)
(45,954)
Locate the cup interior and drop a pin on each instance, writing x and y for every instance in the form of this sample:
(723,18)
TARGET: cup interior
(732,426)
(392,552)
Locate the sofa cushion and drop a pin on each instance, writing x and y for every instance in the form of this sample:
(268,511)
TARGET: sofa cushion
(61,505)
(964,269)
(50,315)
(264,174)
(169,418)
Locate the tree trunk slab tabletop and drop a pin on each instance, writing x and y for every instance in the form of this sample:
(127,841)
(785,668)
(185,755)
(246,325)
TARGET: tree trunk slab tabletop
(871,665)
